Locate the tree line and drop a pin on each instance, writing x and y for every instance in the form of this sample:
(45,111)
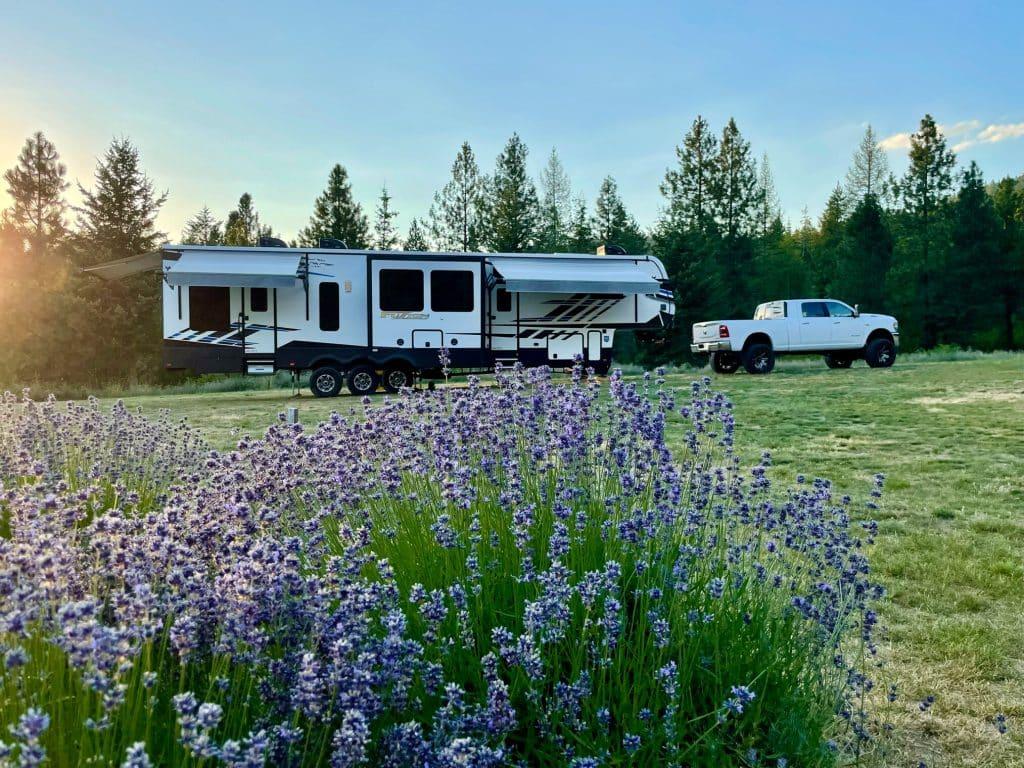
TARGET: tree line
(937,246)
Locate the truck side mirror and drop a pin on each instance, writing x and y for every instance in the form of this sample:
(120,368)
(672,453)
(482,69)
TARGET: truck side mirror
(856,310)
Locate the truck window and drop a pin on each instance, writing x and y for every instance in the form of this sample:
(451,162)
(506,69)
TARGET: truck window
(836,309)
(814,309)
(401,290)
(330,307)
(451,290)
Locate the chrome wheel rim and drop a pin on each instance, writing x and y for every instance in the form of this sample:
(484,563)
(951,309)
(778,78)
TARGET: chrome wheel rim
(884,355)
(397,379)
(325,382)
(761,362)
(362,381)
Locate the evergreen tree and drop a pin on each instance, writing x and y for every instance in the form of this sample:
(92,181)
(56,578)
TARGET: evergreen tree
(825,254)
(458,215)
(581,234)
(1008,270)
(868,171)
(336,214)
(202,229)
(865,256)
(243,226)
(36,186)
(768,207)
(689,189)
(117,218)
(385,232)
(612,224)
(735,183)
(417,238)
(972,262)
(514,214)
(924,194)
(556,206)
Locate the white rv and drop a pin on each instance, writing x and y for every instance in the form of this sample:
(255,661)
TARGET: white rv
(371,318)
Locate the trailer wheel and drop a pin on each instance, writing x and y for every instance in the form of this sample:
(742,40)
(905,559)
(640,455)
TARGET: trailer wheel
(759,358)
(362,380)
(880,353)
(325,382)
(724,362)
(396,378)
(837,360)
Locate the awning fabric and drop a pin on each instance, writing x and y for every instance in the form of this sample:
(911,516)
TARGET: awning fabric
(115,270)
(245,269)
(598,275)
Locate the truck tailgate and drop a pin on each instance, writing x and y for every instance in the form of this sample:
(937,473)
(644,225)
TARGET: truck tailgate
(705,331)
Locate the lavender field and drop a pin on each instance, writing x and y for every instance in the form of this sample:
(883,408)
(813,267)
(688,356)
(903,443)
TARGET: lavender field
(522,574)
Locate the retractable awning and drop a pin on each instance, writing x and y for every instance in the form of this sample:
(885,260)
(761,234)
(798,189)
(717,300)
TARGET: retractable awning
(245,269)
(115,270)
(597,275)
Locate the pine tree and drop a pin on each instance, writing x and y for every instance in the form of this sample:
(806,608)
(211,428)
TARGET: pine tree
(612,225)
(924,193)
(1008,271)
(735,187)
(243,226)
(865,256)
(768,206)
(514,210)
(337,215)
(868,170)
(973,262)
(202,229)
(825,256)
(117,218)
(36,186)
(417,238)
(581,234)
(689,188)
(385,232)
(458,214)
(556,206)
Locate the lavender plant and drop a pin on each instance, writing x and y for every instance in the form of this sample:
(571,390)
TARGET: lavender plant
(522,574)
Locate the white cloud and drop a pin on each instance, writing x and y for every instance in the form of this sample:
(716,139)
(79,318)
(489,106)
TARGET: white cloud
(959,129)
(964,145)
(994,133)
(894,142)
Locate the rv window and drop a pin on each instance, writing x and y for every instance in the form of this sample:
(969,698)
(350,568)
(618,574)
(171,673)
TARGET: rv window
(258,299)
(503,300)
(401,290)
(451,290)
(209,308)
(329,307)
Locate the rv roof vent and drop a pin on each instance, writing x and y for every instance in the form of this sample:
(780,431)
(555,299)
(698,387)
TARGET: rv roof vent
(272,242)
(332,242)
(610,250)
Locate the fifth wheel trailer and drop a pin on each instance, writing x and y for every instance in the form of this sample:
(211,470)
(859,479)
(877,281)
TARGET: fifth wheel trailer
(381,317)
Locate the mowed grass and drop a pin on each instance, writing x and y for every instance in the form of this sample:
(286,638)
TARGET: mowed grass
(950,438)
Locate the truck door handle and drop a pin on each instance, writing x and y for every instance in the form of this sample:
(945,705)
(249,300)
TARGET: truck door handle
(806,322)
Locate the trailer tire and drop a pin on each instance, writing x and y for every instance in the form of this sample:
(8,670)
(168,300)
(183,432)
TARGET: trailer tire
(325,382)
(880,353)
(396,378)
(725,362)
(838,360)
(362,380)
(759,358)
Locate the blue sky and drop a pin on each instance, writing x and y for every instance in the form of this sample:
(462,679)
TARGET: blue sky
(225,98)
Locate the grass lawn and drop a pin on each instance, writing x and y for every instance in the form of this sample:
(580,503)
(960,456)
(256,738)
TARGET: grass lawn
(950,438)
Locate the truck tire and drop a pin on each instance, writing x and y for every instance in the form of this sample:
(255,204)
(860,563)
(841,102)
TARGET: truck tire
(759,358)
(880,353)
(362,380)
(325,382)
(396,378)
(838,360)
(725,362)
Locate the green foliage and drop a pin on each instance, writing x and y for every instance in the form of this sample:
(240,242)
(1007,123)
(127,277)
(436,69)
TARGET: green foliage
(514,211)
(865,256)
(458,216)
(385,234)
(612,225)
(36,186)
(336,214)
(202,229)
(556,207)
(417,238)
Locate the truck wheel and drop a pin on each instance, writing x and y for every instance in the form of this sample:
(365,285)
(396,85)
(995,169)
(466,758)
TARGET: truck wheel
(880,353)
(724,362)
(396,378)
(835,360)
(325,382)
(363,380)
(759,358)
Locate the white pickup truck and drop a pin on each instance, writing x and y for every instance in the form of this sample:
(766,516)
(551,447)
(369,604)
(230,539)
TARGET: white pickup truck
(798,326)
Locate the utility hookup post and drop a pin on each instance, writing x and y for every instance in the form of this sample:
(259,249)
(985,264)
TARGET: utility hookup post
(292,415)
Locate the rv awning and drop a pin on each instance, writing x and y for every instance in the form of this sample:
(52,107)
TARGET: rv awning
(115,270)
(245,269)
(598,275)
